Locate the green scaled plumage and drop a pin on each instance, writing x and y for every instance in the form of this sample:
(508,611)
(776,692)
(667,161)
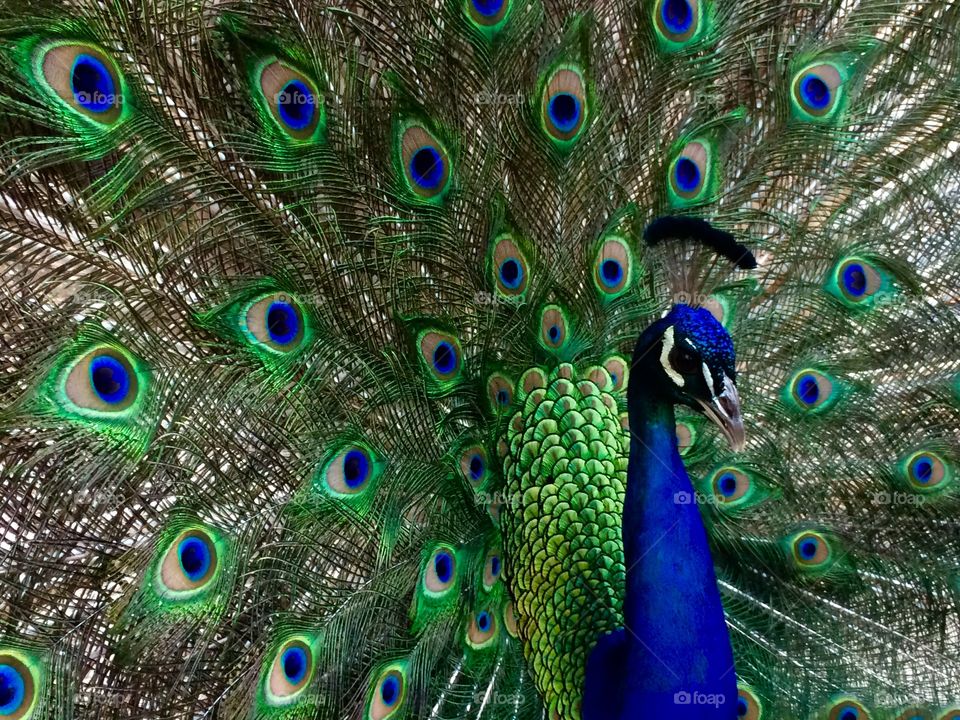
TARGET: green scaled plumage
(315,332)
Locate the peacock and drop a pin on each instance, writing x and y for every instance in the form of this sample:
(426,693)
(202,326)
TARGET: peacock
(528,359)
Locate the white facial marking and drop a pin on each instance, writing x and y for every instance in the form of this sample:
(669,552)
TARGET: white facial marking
(708,377)
(665,358)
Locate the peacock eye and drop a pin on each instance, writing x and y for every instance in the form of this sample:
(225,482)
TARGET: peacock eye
(275,323)
(189,565)
(441,355)
(481,629)
(684,360)
(816,89)
(290,672)
(499,392)
(553,327)
(748,704)
(811,549)
(488,15)
(848,709)
(491,569)
(350,471)
(511,272)
(387,694)
(17,687)
(425,163)
(292,99)
(677,22)
(926,472)
(84,78)
(612,267)
(440,572)
(564,111)
(102,383)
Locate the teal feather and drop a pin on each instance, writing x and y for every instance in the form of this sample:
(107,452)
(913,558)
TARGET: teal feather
(262,357)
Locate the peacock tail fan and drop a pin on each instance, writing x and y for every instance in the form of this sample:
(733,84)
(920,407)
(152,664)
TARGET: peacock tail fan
(316,325)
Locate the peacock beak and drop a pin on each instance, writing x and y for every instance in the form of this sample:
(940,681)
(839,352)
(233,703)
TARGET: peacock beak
(725,412)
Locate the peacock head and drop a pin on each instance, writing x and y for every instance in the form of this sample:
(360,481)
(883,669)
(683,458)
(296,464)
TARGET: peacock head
(687,357)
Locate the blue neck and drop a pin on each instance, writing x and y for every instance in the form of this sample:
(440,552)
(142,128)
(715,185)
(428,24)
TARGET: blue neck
(675,646)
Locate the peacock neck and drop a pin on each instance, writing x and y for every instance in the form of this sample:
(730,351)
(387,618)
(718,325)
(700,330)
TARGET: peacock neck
(677,646)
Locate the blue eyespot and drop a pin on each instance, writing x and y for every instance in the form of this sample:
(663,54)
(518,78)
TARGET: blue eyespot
(564,108)
(390,690)
(443,567)
(564,111)
(812,391)
(483,621)
(349,472)
(553,327)
(92,84)
(441,355)
(109,379)
(808,548)
(855,279)
(291,672)
(444,358)
(731,486)
(927,472)
(488,8)
(612,267)
(511,274)
(611,272)
(808,389)
(13,690)
(687,175)
(194,558)
(677,15)
(495,565)
(296,104)
(503,397)
(689,172)
(811,550)
(188,566)
(508,266)
(356,468)
(295,664)
(292,100)
(922,469)
(742,707)
(727,484)
(816,93)
(426,167)
(857,282)
(283,324)
(477,467)
(848,714)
